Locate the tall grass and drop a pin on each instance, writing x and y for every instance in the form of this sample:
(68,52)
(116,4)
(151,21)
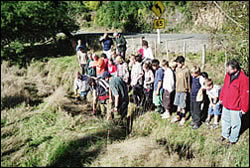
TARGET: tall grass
(46,126)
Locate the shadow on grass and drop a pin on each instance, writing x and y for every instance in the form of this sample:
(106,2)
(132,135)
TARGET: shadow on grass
(13,101)
(184,151)
(244,123)
(83,151)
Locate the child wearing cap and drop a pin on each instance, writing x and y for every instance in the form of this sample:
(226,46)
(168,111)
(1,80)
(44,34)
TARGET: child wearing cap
(213,92)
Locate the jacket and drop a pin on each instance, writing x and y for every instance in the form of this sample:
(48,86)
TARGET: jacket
(183,80)
(235,94)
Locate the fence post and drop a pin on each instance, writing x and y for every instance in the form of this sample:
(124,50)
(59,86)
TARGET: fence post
(203,60)
(155,49)
(184,49)
(166,47)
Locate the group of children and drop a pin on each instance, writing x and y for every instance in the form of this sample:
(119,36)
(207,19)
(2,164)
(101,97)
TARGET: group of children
(166,86)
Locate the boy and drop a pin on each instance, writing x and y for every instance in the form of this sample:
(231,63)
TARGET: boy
(182,89)
(168,87)
(198,85)
(157,94)
(214,106)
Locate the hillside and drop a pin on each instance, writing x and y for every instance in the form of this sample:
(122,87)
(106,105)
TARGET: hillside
(43,125)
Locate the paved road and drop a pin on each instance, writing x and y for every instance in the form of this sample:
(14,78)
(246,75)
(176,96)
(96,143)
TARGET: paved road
(164,36)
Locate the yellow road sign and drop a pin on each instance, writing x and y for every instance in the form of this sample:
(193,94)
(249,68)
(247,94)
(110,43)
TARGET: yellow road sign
(159,23)
(158,8)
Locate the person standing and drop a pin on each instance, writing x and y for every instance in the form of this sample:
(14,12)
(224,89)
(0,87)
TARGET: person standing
(118,94)
(182,89)
(168,88)
(158,91)
(82,58)
(120,44)
(234,97)
(147,51)
(197,88)
(107,45)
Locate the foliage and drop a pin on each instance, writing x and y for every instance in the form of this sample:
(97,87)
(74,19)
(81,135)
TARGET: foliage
(32,21)
(236,43)
(124,15)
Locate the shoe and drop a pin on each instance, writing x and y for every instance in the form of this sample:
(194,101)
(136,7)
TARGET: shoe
(192,124)
(195,126)
(165,115)
(207,122)
(175,119)
(229,144)
(214,126)
(182,122)
(221,139)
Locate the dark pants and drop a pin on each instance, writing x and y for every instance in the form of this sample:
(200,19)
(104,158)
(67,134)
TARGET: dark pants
(83,66)
(137,94)
(168,100)
(123,109)
(122,54)
(195,109)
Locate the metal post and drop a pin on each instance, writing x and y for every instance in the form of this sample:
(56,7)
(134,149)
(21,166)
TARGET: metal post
(155,50)
(158,36)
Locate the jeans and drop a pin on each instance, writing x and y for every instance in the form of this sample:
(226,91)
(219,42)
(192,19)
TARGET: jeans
(231,120)
(216,111)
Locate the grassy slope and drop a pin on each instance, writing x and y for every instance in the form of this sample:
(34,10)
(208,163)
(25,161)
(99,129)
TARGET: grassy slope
(45,126)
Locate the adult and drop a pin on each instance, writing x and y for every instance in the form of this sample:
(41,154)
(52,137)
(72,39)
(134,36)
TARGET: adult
(82,58)
(118,94)
(234,97)
(107,45)
(120,44)
(99,64)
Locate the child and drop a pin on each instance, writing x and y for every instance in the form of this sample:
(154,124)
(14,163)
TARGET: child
(182,89)
(81,86)
(136,79)
(157,94)
(112,68)
(148,85)
(214,106)
(198,85)
(168,88)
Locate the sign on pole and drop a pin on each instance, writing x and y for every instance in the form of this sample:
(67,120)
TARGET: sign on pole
(158,8)
(159,23)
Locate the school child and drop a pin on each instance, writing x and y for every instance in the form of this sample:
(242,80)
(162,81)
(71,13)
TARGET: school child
(213,92)
(122,69)
(196,96)
(112,68)
(182,89)
(157,94)
(136,79)
(81,86)
(148,86)
(168,88)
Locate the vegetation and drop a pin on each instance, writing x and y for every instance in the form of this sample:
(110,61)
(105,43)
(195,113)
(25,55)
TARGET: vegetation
(45,126)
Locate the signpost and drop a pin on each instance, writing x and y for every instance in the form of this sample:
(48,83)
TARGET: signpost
(158,8)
